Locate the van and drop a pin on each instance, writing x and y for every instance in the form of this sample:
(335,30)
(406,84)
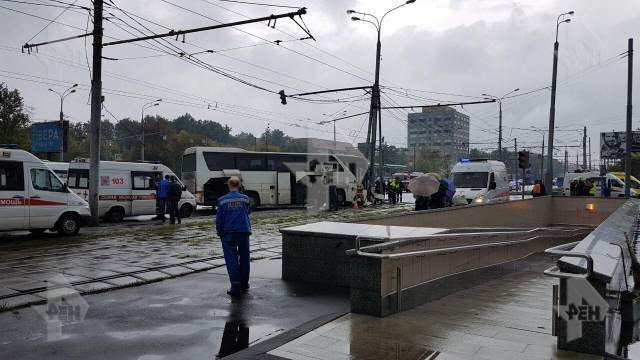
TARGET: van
(60,168)
(125,188)
(32,197)
(481,181)
(615,182)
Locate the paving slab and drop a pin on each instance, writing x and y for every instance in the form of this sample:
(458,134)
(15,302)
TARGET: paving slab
(123,281)
(19,300)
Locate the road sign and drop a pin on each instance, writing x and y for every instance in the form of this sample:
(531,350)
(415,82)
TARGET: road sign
(584,303)
(45,136)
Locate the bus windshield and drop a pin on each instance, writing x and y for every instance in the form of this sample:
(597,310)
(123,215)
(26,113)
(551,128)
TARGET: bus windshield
(470,179)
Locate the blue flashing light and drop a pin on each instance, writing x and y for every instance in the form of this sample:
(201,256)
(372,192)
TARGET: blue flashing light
(465,160)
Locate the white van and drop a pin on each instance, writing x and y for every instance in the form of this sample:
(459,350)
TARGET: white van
(125,188)
(33,198)
(615,182)
(481,181)
(60,168)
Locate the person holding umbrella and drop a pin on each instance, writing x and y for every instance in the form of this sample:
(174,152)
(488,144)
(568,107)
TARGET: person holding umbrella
(422,187)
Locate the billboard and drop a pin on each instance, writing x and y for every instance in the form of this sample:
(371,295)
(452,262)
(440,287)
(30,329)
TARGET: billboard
(612,145)
(45,136)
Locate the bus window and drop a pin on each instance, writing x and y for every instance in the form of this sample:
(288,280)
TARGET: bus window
(219,161)
(251,162)
(339,167)
(189,162)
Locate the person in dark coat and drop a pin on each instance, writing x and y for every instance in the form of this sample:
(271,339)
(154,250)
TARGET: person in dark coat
(422,203)
(175,193)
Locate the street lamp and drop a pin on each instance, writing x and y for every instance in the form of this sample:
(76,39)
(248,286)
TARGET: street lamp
(62,96)
(375,91)
(324,122)
(145,107)
(552,110)
(499,99)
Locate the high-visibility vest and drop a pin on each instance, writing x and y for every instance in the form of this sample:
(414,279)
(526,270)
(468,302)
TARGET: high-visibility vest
(537,189)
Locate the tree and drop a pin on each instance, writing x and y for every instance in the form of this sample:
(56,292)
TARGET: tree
(433,161)
(14,122)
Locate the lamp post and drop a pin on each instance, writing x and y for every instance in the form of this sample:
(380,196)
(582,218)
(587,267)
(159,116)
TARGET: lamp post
(552,110)
(374,112)
(499,99)
(145,107)
(324,122)
(62,96)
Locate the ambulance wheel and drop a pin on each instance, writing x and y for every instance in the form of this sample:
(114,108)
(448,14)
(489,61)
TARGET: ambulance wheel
(186,210)
(115,215)
(68,224)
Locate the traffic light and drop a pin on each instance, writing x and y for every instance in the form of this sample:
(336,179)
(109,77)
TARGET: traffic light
(523,159)
(283,97)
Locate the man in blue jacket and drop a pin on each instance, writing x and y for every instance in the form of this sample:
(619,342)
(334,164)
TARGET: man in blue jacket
(234,228)
(163,196)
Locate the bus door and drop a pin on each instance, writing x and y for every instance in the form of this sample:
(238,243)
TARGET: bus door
(284,188)
(143,192)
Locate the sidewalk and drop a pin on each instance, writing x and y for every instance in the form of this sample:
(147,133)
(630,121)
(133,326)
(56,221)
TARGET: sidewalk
(187,318)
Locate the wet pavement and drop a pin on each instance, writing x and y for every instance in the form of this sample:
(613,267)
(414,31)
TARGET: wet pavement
(186,318)
(509,318)
(138,252)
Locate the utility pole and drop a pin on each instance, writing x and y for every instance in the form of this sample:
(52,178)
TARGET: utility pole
(589,153)
(96,107)
(499,99)
(375,114)
(542,160)
(627,155)
(584,148)
(566,160)
(515,162)
(552,108)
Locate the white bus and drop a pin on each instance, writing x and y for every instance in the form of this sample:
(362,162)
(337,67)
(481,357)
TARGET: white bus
(271,178)
(125,188)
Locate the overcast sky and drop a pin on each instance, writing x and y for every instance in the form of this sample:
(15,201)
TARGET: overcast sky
(464,47)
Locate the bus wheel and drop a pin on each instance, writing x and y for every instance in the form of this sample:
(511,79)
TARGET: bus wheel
(255,198)
(68,224)
(115,215)
(342,198)
(186,210)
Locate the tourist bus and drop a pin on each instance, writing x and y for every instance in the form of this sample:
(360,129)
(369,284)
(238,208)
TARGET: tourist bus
(271,178)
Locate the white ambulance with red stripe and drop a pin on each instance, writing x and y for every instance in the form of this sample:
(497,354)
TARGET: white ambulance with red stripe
(125,188)
(33,198)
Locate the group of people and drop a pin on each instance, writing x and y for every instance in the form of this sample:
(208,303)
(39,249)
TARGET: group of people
(580,187)
(440,199)
(393,188)
(168,194)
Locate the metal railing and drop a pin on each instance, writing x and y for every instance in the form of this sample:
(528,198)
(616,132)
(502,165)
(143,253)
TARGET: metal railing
(561,250)
(357,251)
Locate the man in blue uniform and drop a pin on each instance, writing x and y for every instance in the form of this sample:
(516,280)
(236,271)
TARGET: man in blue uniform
(163,196)
(234,228)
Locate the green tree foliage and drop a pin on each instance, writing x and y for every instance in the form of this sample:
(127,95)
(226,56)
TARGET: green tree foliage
(14,122)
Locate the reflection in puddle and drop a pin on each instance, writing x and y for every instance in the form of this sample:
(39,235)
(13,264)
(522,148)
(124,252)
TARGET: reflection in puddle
(234,338)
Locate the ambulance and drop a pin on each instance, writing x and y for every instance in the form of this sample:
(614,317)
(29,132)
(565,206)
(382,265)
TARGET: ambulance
(32,197)
(125,188)
(481,181)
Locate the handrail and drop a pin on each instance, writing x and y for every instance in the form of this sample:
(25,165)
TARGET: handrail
(395,241)
(560,250)
(443,250)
